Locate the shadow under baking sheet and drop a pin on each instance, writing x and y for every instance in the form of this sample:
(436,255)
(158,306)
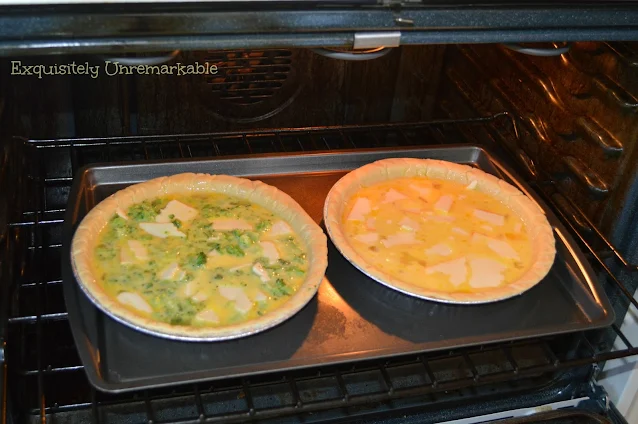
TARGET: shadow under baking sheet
(124,354)
(422,321)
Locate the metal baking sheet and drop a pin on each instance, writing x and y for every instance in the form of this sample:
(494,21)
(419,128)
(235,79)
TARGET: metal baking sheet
(351,318)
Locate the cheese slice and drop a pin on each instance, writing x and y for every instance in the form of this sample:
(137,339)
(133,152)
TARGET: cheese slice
(230,292)
(412,205)
(486,273)
(161,230)
(360,209)
(460,231)
(134,300)
(207,315)
(439,249)
(399,239)
(126,256)
(138,249)
(176,210)
(492,218)
(238,295)
(200,296)
(500,247)
(423,191)
(172,272)
(280,228)
(261,272)
(368,238)
(408,224)
(193,289)
(189,289)
(243,304)
(444,204)
(270,251)
(455,269)
(229,224)
(393,195)
(121,214)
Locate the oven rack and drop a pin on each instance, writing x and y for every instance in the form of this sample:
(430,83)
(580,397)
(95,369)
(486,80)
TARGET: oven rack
(41,358)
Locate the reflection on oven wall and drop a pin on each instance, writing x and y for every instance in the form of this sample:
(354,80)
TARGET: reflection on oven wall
(575,117)
(251,89)
(576,113)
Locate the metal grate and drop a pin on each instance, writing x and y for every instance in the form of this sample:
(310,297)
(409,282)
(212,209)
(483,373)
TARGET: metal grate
(248,77)
(46,378)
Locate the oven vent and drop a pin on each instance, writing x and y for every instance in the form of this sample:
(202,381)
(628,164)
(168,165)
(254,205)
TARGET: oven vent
(248,77)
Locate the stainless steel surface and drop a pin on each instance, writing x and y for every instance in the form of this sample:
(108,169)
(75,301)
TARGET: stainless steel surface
(144,60)
(539,51)
(342,54)
(352,318)
(373,40)
(111,30)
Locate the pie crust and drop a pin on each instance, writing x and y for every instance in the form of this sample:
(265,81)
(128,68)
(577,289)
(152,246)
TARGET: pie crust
(538,228)
(86,237)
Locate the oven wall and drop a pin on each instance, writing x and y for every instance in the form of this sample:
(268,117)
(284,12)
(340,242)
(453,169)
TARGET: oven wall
(252,89)
(575,114)
(580,105)
(574,118)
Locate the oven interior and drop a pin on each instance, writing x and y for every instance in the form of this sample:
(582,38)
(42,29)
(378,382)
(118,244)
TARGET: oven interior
(566,122)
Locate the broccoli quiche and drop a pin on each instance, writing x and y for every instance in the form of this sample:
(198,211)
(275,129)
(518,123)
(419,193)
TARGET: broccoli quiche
(199,257)
(439,230)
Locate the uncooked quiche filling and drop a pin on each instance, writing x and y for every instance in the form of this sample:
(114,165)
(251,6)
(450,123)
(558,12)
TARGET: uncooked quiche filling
(437,234)
(199,260)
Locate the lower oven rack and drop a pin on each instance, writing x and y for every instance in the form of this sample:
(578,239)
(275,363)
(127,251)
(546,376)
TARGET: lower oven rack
(48,382)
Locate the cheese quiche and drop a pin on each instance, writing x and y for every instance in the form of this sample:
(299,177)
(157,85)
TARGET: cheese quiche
(199,257)
(439,230)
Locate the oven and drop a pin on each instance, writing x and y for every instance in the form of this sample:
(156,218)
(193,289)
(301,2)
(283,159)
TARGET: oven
(98,95)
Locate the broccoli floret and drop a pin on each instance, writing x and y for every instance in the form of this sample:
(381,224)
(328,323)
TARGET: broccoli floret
(245,241)
(117,221)
(295,270)
(142,212)
(282,287)
(279,289)
(196,261)
(158,205)
(105,252)
(263,225)
(234,250)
